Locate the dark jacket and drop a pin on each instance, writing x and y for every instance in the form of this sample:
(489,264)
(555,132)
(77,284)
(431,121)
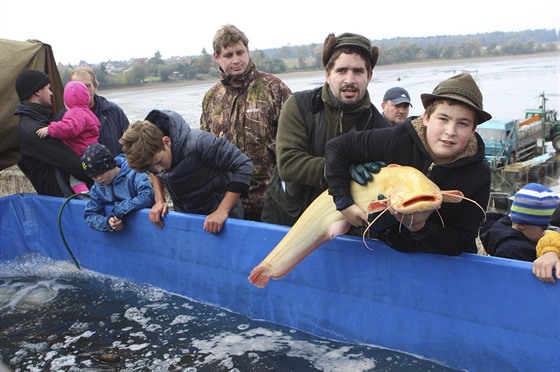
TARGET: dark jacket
(43,158)
(308,120)
(404,144)
(129,192)
(500,239)
(113,123)
(203,166)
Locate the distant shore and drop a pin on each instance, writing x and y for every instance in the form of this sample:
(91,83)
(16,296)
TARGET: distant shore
(379,68)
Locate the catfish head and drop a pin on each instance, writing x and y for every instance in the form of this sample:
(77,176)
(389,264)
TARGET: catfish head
(409,191)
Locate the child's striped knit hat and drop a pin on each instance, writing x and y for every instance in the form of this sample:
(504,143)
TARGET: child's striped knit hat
(533,204)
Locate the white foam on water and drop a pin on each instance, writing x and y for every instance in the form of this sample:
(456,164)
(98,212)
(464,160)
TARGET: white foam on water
(27,296)
(63,361)
(182,319)
(223,346)
(69,340)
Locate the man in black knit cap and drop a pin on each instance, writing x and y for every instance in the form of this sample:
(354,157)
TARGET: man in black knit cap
(47,162)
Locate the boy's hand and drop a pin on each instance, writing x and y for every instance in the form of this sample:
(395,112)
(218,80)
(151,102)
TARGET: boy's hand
(355,215)
(215,221)
(413,222)
(157,212)
(545,265)
(43,132)
(115,223)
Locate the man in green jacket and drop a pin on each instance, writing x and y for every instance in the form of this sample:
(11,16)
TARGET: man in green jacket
(244,107)
(309,119)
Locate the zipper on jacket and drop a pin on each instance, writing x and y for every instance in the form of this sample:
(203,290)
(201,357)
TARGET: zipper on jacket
(340,122)
(432,165)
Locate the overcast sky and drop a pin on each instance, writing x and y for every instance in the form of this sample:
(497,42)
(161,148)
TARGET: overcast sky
(101,30)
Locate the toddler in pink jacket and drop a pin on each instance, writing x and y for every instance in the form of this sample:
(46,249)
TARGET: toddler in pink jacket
(78,128)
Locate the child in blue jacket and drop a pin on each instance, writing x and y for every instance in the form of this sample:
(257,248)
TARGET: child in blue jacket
(115,184)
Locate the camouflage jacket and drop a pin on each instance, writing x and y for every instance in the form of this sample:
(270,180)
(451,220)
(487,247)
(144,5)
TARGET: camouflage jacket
(245,110)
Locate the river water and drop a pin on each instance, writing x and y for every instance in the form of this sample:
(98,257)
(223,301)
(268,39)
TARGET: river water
(509,86)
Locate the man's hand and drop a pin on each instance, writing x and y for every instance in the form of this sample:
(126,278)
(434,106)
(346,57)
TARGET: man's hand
(361,173)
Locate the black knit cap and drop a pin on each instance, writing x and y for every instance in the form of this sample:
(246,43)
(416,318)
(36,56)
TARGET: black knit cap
(97,159)
(30,81)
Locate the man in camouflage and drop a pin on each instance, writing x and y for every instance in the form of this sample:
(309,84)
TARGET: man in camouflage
(244,107)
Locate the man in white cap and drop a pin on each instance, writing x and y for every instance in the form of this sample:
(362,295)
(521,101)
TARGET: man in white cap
(396,105)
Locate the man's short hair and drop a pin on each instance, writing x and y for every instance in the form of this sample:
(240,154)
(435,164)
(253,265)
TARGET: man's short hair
(227,35)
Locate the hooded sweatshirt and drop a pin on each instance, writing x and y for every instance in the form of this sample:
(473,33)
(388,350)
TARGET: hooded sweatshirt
(79,127)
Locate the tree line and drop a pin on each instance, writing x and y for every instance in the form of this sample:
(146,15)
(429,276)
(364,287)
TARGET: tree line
(112,74)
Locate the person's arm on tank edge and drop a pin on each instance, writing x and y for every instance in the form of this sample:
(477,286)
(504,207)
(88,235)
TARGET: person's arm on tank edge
(160,207)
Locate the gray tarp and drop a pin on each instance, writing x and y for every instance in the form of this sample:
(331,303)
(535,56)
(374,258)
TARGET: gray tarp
(14,57)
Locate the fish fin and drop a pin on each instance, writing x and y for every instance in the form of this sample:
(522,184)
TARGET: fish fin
(393,165)
(260,276)
(452,196)
(337,228)
(376,206)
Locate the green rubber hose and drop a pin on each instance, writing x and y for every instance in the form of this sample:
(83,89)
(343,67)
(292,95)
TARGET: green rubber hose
(60,226)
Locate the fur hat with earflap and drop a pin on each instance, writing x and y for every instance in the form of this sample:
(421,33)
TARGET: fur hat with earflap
(349,40)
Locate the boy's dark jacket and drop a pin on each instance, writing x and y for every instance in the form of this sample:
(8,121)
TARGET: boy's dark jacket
(500,239)
(457,228)
(203,166)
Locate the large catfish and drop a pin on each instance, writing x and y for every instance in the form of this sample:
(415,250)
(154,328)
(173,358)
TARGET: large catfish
(408,190)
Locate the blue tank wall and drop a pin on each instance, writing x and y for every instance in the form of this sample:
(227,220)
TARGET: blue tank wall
(472,312)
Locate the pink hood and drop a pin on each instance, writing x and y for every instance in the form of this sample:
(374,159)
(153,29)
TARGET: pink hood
(76,94)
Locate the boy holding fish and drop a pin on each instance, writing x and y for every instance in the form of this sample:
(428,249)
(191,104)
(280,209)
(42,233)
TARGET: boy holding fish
(442,144)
